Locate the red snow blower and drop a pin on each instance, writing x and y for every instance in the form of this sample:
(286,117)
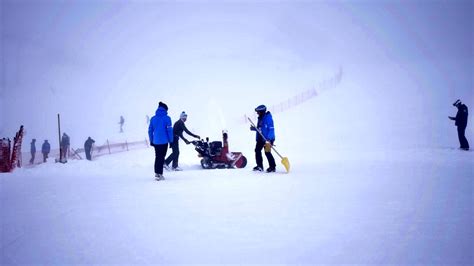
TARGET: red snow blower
(216,154)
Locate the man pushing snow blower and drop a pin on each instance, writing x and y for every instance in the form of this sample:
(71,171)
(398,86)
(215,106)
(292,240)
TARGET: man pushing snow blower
(178,129)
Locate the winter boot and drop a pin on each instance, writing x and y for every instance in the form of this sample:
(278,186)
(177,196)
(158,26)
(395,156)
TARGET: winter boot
(159,177)
(258,168)
(270,169)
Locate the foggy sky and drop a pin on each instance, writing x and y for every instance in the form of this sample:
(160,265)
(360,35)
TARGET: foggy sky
(93,61)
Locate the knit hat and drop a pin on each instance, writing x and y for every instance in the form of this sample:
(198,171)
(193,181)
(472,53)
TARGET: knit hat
(162,104)
(456,103)
(183,115)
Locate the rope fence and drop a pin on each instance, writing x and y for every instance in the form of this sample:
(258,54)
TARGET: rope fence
(302,97)
(79,154)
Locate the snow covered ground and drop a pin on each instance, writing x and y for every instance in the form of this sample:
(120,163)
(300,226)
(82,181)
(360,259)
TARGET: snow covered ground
(402,207)
(375,177)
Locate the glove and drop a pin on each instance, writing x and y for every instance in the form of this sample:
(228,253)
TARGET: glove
(151,144)
(198,137)
(452,118)
(187,142)
(268,146)
(252,128)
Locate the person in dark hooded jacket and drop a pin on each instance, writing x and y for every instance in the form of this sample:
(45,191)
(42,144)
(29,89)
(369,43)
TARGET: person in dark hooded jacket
(461,123)
(65,145)
(160,132)
(45,149)
(266,128)
(88,148)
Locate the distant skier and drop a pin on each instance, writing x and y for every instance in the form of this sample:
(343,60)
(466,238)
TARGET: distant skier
(178,129)
(160,133)
(265,126)
(65,144)
(33,151)
(461,123)
(45,149)
(121,122)
(88,148)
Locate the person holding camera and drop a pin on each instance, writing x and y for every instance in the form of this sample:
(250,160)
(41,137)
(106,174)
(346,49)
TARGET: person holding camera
(461,123)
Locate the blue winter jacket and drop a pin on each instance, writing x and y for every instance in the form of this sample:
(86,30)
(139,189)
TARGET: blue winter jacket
(45,148)
(160,130)
(265,124)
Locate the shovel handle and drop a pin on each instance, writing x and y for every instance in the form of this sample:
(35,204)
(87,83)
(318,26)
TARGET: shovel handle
(260,132)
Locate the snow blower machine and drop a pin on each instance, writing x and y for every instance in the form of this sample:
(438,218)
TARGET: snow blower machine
(216,154)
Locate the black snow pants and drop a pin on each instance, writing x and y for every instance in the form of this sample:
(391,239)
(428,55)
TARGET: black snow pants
(462,138)
(160,153)
(259,158)
(88,153)
(174,156)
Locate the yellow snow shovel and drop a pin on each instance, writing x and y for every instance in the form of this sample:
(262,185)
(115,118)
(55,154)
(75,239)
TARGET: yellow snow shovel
(284,160)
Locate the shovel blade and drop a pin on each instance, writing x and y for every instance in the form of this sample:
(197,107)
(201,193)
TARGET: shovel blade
(286,163)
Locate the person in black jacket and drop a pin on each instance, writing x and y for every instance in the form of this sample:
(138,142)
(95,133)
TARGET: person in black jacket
(45,149)
(461,123)
(178,129)
(65,144)
(88,148)
(33,151)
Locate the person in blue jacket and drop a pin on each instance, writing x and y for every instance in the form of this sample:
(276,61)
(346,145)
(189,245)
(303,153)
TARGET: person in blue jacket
(266,128)
(160,132)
